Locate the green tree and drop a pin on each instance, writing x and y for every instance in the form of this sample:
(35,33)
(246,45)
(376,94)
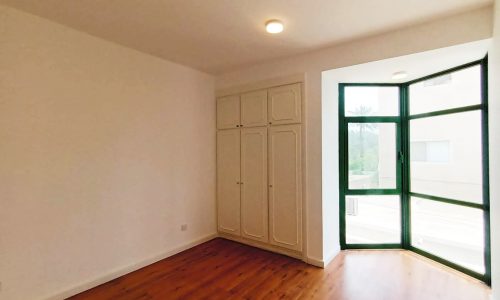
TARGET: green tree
(362,128)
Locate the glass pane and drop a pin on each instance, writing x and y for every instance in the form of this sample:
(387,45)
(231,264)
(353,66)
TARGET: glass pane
(372,155)
(445,156)
(371,101)
(457,89)
(453,232)
(373,220)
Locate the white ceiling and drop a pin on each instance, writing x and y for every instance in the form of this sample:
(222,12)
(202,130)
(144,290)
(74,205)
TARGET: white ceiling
(216,36)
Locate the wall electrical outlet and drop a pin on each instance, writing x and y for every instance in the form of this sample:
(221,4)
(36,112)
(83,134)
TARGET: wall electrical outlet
(184,227)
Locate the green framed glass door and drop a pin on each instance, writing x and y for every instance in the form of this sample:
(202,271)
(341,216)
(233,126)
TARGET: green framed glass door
(371,134)
(414,167)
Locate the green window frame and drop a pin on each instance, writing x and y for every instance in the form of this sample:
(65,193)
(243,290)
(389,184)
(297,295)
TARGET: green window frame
(402,189)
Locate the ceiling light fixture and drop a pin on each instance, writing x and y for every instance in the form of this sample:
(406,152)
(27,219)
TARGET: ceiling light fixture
(274,26)
(399,75)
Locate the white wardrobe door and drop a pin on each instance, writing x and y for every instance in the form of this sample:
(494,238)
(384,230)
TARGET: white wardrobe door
(285,189)
(228,180)
(254,205)
(254,109)
(228,112)
(285,104)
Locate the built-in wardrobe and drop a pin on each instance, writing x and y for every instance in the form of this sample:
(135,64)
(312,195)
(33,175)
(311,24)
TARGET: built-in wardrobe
(259,168)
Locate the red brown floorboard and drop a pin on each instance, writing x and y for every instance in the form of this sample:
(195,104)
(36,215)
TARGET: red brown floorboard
(222,269)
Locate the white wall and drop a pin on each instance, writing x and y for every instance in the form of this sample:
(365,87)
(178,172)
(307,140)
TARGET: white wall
(330,165)
(471,26)
(494,131)
(105,152)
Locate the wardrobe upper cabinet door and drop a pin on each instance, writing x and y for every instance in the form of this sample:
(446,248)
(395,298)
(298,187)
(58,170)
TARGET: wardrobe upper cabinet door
(254,205)
(254,109)
(228,112)
(285,189)
(228,179)
(285,104)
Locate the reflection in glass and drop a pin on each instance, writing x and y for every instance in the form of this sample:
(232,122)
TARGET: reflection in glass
(461,88)
(372,155)
(373,220)
(446,156)
(455,233)
(371,101)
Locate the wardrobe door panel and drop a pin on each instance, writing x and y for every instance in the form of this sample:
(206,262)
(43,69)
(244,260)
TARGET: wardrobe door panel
(254,109)
(285,189)
(228,112)
(285,104)
(228,181)
(254,204)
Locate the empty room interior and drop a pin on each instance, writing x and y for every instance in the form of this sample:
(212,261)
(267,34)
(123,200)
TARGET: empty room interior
(234,149)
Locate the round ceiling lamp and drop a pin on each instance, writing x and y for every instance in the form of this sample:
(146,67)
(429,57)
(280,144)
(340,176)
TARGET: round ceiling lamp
(274,26)
(399,75)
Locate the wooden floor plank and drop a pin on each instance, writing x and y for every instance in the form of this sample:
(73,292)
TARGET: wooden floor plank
(222,269)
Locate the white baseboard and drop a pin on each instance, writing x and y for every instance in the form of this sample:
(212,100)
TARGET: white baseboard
(125,270)
(330,257)
(315,262)
(322,263)
(261,245)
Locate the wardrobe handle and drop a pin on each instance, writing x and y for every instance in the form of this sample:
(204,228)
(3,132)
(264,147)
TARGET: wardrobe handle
(237,125)
(241,125)
(237,182)
(270,185)
(270,123)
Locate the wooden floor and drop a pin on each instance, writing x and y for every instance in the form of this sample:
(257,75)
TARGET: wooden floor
(221,269)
